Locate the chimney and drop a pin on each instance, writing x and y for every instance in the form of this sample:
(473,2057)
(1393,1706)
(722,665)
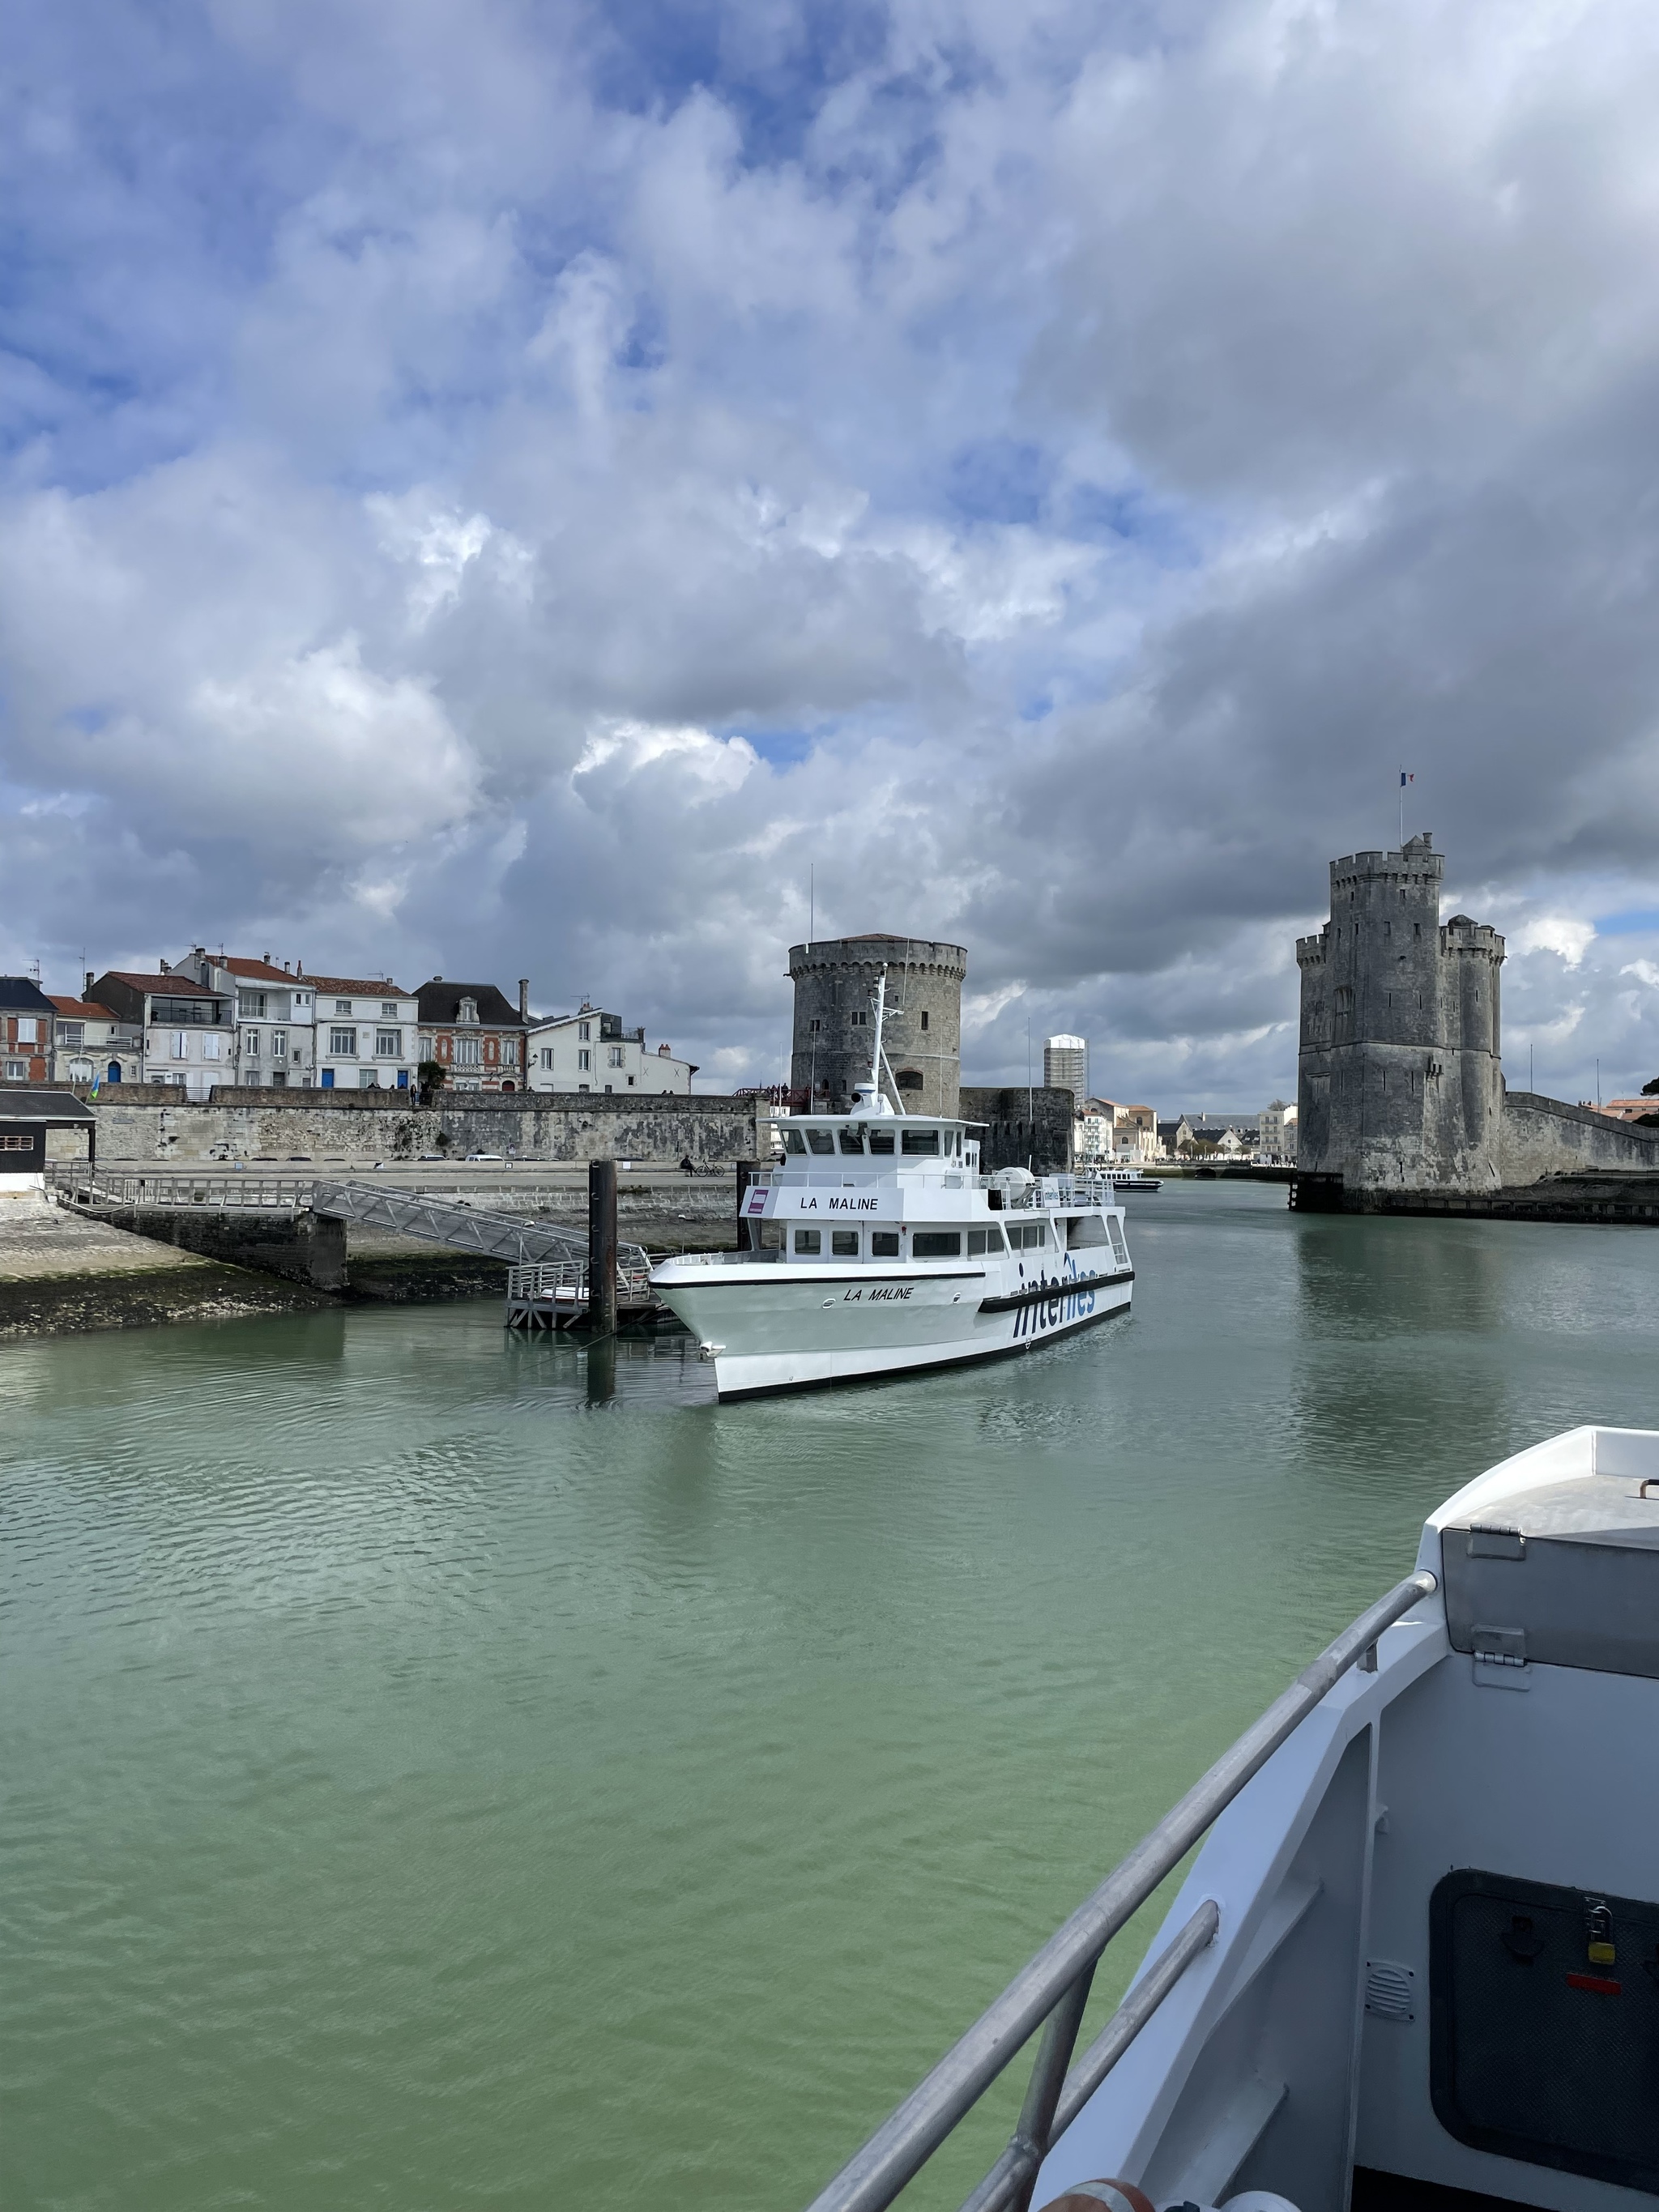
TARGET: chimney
(88,982)
(166,970)
(524,997)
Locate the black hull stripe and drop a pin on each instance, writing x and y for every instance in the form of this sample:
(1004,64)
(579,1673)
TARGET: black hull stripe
(1035,1293)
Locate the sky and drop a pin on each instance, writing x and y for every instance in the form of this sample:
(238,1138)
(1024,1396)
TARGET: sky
(497,490)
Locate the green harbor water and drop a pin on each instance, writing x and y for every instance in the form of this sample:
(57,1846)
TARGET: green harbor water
(444,1770)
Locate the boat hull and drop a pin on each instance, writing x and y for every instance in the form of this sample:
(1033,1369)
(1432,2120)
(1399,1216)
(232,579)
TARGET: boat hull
(768,1329)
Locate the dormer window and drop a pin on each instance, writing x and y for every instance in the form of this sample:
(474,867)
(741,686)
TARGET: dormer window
(469,1011)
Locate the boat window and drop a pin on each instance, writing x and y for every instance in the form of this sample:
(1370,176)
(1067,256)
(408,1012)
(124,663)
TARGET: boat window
(1027,1236)
(935,1243)
(771,1237)
(1086,1229)
(1119,1249)
(884,1243)
(851,1141)
(921,1141)
(821,1140)
(844,1244)
(793,1141)
(983,1240)
(808,1240)
(881,1140)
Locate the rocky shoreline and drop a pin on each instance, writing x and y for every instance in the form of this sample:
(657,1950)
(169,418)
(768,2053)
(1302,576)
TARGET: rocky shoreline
(65,1274)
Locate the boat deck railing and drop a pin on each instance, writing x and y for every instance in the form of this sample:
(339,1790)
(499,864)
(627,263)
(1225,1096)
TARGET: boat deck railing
(1051,1992)
(566,1279)
(771,1257)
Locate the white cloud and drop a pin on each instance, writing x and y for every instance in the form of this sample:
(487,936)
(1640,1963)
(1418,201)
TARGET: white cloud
(1042,470)
(1569,936)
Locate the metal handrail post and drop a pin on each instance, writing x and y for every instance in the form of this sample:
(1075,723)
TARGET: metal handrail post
(1132,2015)
(1054,2060)
(1011,2179)
(874,2175)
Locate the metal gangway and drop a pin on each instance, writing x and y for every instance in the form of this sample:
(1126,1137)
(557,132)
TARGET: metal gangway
(509,1236)
(547,1278)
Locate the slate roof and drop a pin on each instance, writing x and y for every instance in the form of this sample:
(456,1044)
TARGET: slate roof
(22,995)
(440,1003)
(55,1108)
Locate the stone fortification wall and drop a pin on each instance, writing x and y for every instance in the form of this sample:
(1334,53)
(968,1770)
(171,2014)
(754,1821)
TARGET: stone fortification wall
(1542,1137)
(142,1122)
(1400,1083)
(835,981)
(1023,1127)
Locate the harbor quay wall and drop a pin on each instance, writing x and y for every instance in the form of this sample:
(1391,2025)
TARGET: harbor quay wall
(1024,1127)
(1540,1137)
(351,1128)
(302,1248)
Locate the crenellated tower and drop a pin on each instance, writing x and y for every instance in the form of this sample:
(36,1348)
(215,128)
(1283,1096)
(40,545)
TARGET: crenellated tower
(1400,1082)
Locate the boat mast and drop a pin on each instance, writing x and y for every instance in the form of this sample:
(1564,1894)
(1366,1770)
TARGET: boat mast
(875,1056)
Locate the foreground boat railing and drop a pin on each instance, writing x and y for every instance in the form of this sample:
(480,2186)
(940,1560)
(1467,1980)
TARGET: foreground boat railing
(1054,1986)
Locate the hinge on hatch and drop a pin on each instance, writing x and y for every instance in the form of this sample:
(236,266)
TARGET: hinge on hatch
(1499,1647)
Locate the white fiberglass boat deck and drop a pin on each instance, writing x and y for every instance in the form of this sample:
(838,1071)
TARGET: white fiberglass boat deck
(1415,1967)
(878,1247)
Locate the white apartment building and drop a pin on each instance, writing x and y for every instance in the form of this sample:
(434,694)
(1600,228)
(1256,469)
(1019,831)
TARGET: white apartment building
(1276,1133)
(590,1050)
(92,1044)
(188,1031)
(1112,1135)
(275,1013)
(367,1034)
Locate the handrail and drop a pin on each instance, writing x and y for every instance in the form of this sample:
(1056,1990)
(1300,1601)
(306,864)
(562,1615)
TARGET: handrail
(875,2175)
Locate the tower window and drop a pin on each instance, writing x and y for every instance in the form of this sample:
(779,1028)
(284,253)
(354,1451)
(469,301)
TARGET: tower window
(924,1019)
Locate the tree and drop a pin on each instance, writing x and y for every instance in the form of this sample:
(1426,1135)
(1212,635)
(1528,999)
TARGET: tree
(1651,1090)
(432,1075)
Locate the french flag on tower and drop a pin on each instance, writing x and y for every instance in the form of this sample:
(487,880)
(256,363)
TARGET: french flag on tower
(1405,779)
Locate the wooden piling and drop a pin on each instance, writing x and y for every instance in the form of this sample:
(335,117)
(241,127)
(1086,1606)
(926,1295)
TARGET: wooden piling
(602,1246)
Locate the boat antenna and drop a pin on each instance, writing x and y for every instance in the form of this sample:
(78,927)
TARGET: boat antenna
(876,1055)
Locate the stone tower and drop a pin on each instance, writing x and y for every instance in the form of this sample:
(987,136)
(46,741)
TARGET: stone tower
(1400,1081)
(835,981)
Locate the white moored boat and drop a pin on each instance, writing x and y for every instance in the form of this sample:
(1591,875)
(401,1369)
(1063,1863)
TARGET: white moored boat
(879,1248)
(1415,1965)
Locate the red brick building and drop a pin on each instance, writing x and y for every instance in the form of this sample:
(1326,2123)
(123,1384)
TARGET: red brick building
(475,1034)
(27,1015)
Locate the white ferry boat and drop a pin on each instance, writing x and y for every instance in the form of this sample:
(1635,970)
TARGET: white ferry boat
(1414,1966)
(878,1247)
